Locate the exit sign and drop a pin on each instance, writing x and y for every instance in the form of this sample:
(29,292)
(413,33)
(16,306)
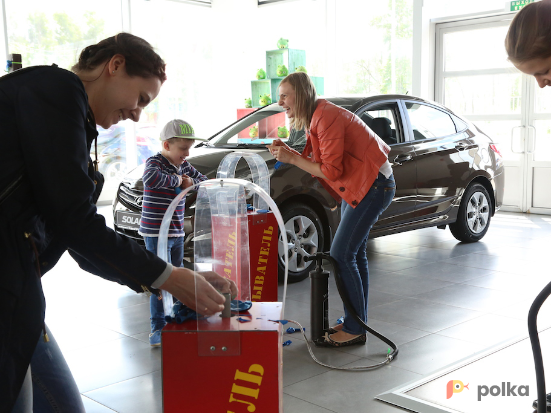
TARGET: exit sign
(516,5)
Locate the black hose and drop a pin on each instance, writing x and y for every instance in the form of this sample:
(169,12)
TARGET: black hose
(350,307)
(536,348)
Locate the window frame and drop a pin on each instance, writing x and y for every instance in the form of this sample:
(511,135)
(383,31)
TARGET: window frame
(398,113)
(410,126)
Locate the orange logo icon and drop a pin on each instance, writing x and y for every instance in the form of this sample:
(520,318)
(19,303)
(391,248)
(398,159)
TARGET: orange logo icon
(455,386)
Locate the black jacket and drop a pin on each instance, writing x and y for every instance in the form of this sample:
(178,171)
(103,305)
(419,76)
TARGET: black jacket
(46,131)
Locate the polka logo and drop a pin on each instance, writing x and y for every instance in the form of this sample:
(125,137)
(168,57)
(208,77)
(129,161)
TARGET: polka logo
(455,386)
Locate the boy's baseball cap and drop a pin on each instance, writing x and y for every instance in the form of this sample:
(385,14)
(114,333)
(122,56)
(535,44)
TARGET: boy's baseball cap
(178,128)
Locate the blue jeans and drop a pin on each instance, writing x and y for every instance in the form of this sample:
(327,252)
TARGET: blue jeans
(175,247)
(349,244)
(49,386)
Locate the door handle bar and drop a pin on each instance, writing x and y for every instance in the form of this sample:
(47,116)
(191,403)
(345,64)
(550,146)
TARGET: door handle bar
(533,140)
(402,158)
(512,138)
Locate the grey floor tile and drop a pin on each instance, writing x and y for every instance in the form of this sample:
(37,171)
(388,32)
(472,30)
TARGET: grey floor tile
(80,335)
(296,405)
(92,406)
(471,297)
(508,264)
(140,394)
(386,262)
(433,352)
(346,391)
(380,298)
(376,349)
(421,314)
(488,329)
(526,284)
(428,254)
(446,272)
(127,320)
(405,285)
(299,366)
(112,362)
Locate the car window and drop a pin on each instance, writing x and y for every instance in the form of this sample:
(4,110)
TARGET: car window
(381,119)
(460,125)
(261,128)
(428,122)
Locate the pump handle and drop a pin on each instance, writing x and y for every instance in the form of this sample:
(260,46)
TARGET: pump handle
(318,255)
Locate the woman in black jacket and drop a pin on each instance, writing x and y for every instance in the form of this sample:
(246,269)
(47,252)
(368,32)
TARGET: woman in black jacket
(48,187)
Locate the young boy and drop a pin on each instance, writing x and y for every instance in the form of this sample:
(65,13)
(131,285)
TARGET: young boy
(163,174)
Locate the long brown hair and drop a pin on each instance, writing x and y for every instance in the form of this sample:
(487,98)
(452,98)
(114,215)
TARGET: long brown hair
(305,99)
(140,58)
(529,35)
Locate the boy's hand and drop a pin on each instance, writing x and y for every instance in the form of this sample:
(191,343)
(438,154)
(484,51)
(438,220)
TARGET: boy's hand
(186,182)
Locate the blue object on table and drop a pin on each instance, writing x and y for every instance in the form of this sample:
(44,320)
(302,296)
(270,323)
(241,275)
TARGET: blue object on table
(262,211)
(292,330)
(287,343)
(238,305)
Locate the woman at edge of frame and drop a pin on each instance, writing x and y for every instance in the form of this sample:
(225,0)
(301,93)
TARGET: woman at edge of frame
(528,47)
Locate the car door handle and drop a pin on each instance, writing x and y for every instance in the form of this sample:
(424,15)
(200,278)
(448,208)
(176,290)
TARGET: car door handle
(461,146)
(402,158)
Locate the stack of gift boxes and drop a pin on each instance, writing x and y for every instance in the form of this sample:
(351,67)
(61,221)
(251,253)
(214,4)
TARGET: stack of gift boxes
(292,59)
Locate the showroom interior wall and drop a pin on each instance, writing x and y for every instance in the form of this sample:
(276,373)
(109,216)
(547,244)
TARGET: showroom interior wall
(212,53)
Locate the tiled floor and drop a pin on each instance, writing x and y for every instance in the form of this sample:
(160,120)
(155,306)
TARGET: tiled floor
(439,300)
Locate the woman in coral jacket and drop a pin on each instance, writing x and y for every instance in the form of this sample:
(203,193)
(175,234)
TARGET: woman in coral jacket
(351,162)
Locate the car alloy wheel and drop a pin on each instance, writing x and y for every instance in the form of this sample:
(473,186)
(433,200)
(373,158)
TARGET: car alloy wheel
(304,238)
(474,215)
(478,212)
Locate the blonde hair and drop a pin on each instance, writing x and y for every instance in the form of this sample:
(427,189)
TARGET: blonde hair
(305,99)
(529,35)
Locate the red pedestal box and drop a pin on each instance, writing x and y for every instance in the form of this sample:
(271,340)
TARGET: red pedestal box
(241,113)
(221,365)
(263,254)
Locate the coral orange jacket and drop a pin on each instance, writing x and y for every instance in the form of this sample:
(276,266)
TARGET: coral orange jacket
(350,153)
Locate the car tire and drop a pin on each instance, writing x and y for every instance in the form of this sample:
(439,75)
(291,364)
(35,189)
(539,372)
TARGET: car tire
(301,223)
(475,212)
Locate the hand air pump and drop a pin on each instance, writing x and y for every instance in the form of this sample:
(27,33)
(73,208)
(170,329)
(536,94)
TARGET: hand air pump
(319,305)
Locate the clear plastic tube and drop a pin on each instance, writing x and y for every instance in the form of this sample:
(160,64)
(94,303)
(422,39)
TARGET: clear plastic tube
(168,300)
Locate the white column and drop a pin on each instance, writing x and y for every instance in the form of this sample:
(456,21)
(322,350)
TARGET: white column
(129,126)
(416,59)
(4,49)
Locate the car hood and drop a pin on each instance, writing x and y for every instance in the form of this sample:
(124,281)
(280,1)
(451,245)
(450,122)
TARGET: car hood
(206,160)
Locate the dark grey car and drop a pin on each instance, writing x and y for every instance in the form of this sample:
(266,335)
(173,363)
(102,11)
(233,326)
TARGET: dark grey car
(447,172)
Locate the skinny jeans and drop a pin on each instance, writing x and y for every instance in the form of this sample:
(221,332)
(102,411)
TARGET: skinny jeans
(349,244)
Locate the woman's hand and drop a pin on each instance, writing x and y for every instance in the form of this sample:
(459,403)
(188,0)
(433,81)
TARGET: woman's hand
(281,151)
(186,182)
(193,289)
(220,283)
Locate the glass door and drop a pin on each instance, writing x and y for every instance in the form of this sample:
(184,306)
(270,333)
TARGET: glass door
(475,79)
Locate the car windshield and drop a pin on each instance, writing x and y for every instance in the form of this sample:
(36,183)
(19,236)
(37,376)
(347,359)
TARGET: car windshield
(258,129)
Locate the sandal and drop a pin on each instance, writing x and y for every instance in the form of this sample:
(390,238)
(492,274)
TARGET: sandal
(329,342)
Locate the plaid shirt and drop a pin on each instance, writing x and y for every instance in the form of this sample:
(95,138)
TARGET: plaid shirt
(160,178)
